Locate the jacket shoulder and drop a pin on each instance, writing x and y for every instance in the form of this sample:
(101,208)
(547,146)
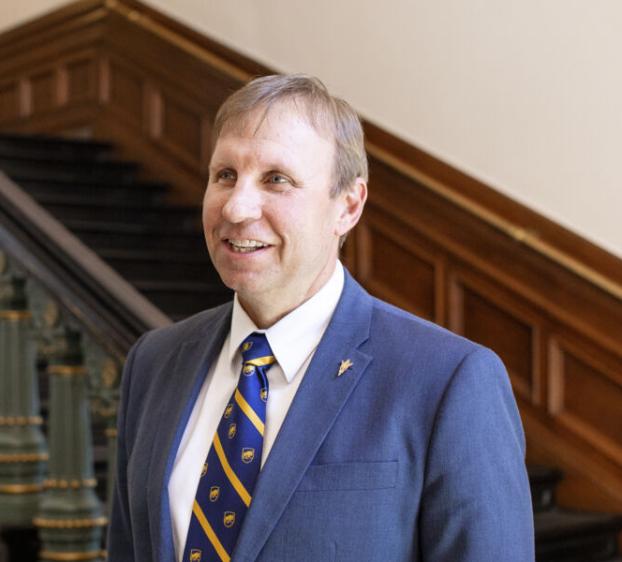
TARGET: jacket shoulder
(401,326)
(159,343)
(192,328)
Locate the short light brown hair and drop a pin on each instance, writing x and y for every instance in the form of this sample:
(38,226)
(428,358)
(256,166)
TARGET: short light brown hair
(326,113)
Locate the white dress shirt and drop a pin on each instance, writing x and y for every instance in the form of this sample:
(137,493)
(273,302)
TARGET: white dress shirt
(293,340)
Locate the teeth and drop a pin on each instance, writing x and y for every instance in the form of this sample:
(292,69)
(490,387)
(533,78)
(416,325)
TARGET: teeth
(247,243)
(245,246)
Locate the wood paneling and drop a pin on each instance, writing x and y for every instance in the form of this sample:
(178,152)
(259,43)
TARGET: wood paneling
(483,315)
(9,101)
(432,240)
(126,93)
(396,269)
(43,86)
(181,129)
(586,395)
(81,78)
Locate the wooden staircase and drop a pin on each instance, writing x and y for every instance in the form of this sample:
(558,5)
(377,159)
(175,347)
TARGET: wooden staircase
(129,222)
(133,225)
(569,536)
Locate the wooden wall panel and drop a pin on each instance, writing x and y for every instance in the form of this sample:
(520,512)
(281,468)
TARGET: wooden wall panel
(586,396)
(487,318)
(44,91)
(81,80)
(181,129)
(9,101)
(433,240)
(126,93)
(396,269)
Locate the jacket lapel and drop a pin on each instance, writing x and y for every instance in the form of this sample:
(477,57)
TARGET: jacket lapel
(320,398)
(181,378)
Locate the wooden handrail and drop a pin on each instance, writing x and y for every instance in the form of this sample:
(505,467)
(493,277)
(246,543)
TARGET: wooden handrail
(515,231)
(109,307)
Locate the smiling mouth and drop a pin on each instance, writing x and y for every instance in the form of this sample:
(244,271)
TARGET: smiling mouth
(246,246)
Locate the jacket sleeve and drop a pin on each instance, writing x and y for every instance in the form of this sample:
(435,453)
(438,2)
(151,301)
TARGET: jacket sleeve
(120,543)
(476,504)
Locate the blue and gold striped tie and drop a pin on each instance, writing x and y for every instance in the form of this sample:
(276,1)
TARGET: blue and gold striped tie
(233,462)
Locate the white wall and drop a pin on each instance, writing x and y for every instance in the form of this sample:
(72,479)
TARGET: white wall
(13,13)
(523,94)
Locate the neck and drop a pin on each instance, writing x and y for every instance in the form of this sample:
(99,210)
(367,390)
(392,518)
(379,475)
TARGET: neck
(263,319)
(267,309)
(264,313)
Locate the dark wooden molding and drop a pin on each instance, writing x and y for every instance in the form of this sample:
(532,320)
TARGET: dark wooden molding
(246,65)
(518,221)
(432,240)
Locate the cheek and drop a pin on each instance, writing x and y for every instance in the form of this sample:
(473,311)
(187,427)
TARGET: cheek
(211,211)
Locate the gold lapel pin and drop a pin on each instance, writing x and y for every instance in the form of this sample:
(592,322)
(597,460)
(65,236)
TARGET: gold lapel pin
(344,366)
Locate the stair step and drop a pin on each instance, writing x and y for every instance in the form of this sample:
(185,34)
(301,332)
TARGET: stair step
(134,214)
(135,228)
(162,265)
(95,191)
(157,255)
(69,170)
(185,297)
(543,481)
(566,536)
(99,236)
(16,145)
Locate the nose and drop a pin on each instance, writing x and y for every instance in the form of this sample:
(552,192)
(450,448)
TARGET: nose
(243,203)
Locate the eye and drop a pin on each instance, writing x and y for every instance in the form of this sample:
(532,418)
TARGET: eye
(226,176)
(277,179)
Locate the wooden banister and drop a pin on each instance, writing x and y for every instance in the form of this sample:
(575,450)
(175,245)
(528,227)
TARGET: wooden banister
(110,308)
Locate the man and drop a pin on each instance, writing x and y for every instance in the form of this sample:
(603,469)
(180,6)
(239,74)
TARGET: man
(380,436)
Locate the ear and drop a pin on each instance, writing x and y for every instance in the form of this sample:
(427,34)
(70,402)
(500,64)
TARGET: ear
(352,202)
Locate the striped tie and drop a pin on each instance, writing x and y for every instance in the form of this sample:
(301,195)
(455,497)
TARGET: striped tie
(233,462)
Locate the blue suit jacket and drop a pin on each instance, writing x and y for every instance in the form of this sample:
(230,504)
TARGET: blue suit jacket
(415,453)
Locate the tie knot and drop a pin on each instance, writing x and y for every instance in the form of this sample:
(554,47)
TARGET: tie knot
(256,350)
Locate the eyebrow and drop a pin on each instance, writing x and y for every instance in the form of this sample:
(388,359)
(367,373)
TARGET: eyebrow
(215,165)
(282,166)
(270,166)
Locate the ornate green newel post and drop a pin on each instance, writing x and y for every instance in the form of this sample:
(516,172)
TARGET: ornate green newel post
(23,452)
(70,519)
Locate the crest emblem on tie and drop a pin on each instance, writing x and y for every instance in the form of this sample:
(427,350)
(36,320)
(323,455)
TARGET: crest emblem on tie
(263,394)
(248,454)
(195,555)
(232,431)
(204,469)
(247,346)
(248,370)
(228,410)
(214,493)
(229,519)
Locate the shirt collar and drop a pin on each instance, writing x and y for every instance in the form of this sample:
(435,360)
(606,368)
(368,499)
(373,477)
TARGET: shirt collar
(295,336)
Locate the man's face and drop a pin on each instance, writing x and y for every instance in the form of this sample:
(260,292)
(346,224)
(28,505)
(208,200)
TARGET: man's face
(271,227)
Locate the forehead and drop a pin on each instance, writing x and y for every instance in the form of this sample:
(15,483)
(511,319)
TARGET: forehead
(283,128)
(282,113)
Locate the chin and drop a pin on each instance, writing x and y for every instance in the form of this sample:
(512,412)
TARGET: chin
(242,283)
